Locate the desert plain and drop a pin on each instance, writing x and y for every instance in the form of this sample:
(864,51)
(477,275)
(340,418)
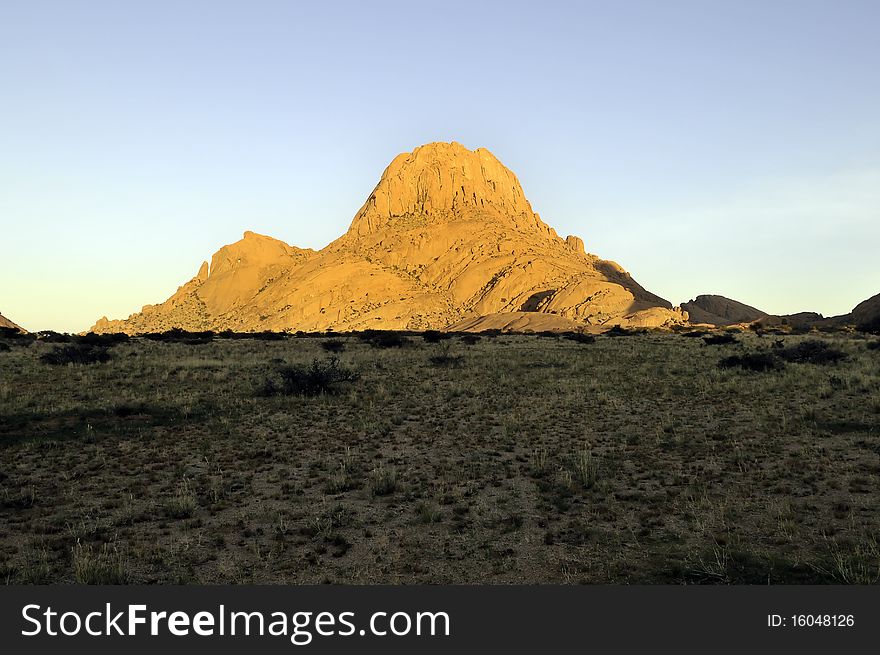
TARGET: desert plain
(630,457)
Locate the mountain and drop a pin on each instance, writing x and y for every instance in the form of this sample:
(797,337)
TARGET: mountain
(7,324)
(447,237)
(718,310)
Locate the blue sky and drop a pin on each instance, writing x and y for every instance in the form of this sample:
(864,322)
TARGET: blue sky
(708,147)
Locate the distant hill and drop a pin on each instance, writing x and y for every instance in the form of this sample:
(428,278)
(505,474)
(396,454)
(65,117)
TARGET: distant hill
(866,314)
(721,311)
(447,237)
(718,310)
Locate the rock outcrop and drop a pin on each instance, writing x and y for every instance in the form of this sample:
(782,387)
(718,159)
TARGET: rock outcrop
(718,310)
(9,325)
(866,315)
(446,238)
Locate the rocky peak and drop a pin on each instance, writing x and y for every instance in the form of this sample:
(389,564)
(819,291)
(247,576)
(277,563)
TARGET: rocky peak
(575,243)
(439,182)
(252,250)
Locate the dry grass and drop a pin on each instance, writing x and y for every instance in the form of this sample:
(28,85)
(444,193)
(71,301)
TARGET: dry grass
(533,459)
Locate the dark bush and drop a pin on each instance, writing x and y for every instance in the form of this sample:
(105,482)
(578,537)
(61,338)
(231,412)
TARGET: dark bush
(469,339)
(333,345)
(812,351)
(317,379)
(4,347)
(108,339)
(618,331)
(874,345)
(268,335)
(50,336)
(14,337)
(694,333)
(579,337)
(11,333)
(76,354)
(753,362)
(388,340)
(435,336)
(176,335)
(872,326)
(719,339)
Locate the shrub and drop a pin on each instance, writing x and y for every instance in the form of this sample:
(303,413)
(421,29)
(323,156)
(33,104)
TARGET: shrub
(11,333)
(618,331)
(586,467)
(470,339)
(538,461)
(230,334)
(579,337)
(339,481)
(107,340)
(383,480)
(268,335)
(388,340)
(4,347)
(872,326)
(429,513)
(812,351)
(176,335)
(182,504)
(13,337)
(383,338)
(76,354)
(35,569)
(50,336)
(317,379)
(435,336)
(333,345)
(694,333)
(874,345)
(719,339)
(102,567)
(753,362)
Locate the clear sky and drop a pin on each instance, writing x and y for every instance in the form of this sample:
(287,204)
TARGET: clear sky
(707,146)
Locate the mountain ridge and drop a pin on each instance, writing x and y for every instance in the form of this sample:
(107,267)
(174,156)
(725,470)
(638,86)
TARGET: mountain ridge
(447,235)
